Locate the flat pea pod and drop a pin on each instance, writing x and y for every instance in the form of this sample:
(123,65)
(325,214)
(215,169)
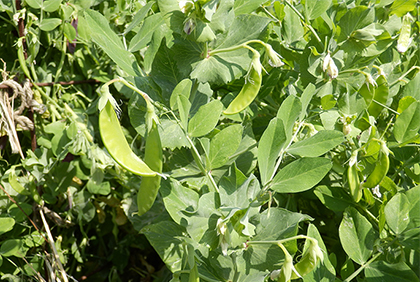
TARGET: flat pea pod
(380,95)
(21,58)
(116,144)
(380,170)
(306,264)
(153,157)
(250,89)
(354,183)
(404,38)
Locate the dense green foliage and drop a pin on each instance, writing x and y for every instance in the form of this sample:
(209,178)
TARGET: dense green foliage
(282,138)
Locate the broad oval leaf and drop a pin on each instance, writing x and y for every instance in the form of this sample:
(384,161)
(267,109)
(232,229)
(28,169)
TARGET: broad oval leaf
(271,142)
(318,144)
(397,213)
(109,41)
(13,247)
(357,236)
(206,118)
(301,175)
(315,8)
(6,224)
(49,24)
(386,272)
(407,124)
(223,145)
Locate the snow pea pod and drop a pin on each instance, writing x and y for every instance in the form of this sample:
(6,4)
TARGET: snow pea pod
(354,183)
(116,144)
(250,89)
(380,170)
(153,157)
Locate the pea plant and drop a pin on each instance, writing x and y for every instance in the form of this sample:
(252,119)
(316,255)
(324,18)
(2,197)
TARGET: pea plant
(245,140)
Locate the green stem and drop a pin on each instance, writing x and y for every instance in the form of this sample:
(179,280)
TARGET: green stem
(284,150)
(386,107)
(404,75)
(277,242)
(302,18)
(351,277)
(237,47)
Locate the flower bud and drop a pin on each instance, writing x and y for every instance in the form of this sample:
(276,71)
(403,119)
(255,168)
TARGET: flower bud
(330,67)
(224,235)
(287,269)
(189,26)
(274,58)
(185,6)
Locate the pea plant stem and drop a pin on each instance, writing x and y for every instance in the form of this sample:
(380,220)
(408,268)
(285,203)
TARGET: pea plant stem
(354,274)
(278,242)
(280,159)
(302,18)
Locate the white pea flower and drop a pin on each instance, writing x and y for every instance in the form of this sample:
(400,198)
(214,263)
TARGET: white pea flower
(376,192)
(186,6)
(370,80)
(224,235)
(274,58)
(330,67)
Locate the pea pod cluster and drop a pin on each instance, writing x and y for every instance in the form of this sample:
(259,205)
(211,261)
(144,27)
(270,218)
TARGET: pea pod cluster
(250,89)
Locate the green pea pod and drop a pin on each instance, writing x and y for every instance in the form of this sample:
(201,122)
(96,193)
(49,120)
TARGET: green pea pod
(380,170)
(116,144)
(250,89)
(306,264)
(153,157)
(404,38)
(21,58)
(354,183)
(380,95)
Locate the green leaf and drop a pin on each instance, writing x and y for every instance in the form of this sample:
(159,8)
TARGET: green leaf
(202,224)
(144,36)
(165,237)
(407,124)
(292,29)
(270,145)
(274,224)
(178,199)
(236,190)
(397,213)
(222,67)
(13,247)
(139,17)
(401,7)
(183,88)
(356,18)
(351,104)
(318,144)
(333,198)
(315,8)
(243,28)
(96,183)
(246,7)
(289,112)
(357,236)
(301,175)
(109,41)
(6,224)
(206,118)
(306,98)
(51,5)
(413,196)
(49,24)
(36,4)
(410,239)
(223,145)
(381,271)
(411,88)
(165,71)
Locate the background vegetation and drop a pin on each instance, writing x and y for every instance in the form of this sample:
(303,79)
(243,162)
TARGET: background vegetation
(323,165)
